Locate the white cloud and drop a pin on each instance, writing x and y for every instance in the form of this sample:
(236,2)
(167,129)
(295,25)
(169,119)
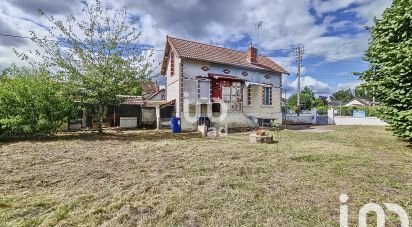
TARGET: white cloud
(315,85)
(335,47)
(348,85)
(371,9)
(285,23)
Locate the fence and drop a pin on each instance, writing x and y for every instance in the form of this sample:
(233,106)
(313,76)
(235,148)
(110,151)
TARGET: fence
(357,116)
(338,120)
(307,117)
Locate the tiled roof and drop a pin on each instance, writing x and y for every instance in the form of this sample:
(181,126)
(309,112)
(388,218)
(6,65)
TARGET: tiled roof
(138,100)
(150,88)
(214,54)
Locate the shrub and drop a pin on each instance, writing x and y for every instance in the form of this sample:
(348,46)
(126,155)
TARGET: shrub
(31,105)
(322,110)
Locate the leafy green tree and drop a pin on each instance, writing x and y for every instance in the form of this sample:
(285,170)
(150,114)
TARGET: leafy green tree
(31,104)
(362,92)
(318,102)
(342,96)
(324,100)
(98,53)
(390,72)
(307,99)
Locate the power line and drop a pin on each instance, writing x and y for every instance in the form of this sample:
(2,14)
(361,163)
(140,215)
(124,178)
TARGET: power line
(154,49)
(336,59)
(284,49)
(62,41)
(332,78)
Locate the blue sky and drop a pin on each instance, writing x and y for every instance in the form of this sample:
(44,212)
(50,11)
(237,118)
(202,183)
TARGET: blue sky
(332,31)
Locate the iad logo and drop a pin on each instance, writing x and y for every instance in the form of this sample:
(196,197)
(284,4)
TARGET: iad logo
(371,207)
(193,115)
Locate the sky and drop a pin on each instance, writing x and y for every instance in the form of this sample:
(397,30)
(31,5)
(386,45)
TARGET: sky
(332,32)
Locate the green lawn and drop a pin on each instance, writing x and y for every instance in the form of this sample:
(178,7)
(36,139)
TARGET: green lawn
(159,179)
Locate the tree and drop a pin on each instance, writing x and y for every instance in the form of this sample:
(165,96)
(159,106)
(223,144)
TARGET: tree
(342,96)
(307,99)
(31,104)
(97,53)
(390,72)
(324,100)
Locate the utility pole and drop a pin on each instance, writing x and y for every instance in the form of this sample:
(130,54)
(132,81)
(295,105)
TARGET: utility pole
(299,57)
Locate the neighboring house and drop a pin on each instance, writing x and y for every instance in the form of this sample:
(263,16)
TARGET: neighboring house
(231,87)
(359,102)
(149,89)
(335,103)
(158,96)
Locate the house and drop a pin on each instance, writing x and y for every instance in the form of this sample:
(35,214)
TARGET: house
(158,96)
(228,87)
(358,102)
(335,103)
(149,88)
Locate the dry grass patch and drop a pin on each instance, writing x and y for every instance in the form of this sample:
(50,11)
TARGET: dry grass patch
(157,178)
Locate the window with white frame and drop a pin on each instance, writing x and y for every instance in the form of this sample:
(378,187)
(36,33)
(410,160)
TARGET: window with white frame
(203,90)
(232,96)
(267,96)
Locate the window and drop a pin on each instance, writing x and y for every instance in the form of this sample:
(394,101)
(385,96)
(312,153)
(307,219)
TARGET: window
(203,92)
(249,95)
(232,96)
(267,96)
(172,63)
(203,110)
(216,107)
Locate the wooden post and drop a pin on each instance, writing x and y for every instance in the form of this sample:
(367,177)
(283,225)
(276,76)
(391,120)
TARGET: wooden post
(157,117)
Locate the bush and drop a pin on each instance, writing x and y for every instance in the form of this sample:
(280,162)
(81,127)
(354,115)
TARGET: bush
(31,105)
(373,111)
(370,111)
(322,110)
(344,111)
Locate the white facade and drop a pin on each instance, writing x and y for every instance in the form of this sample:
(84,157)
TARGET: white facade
(359,121)
(187,87)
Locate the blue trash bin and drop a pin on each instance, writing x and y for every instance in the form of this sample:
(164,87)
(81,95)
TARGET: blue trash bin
(175,123)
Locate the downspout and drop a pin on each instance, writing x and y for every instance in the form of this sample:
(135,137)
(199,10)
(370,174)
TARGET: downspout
(181,89)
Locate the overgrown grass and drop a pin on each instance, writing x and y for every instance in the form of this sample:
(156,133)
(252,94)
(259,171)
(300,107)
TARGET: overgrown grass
(160,179)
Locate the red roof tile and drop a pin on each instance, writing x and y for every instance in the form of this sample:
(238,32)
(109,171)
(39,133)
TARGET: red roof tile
(214,54)
(150,88)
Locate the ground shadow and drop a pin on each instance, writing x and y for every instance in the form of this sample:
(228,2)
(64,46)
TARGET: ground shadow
(297,126)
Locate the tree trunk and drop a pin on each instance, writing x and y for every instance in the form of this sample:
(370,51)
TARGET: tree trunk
(100,122)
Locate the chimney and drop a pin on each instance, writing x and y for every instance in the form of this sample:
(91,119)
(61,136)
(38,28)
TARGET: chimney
(252,54)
